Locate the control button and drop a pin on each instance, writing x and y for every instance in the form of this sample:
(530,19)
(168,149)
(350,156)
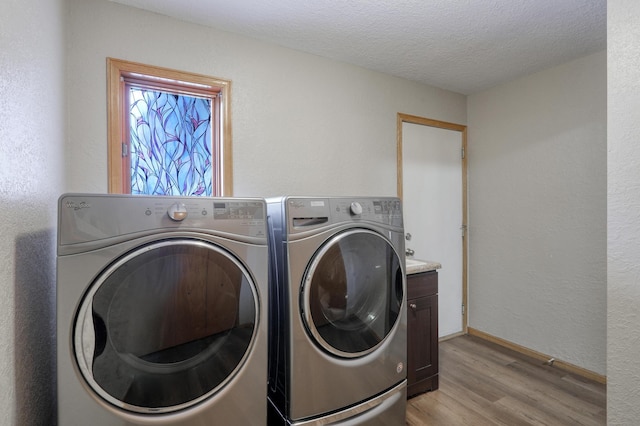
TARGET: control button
(356,208)
(177,212)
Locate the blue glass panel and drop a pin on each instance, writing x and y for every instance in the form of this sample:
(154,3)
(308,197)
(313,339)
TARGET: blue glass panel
(170,143)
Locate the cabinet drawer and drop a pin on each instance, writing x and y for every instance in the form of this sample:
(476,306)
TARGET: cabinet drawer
(422,284)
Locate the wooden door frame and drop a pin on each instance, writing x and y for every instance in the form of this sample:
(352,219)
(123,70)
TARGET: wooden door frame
(413,119)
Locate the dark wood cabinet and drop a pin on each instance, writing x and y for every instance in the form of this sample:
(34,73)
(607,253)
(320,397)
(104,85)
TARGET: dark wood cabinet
(422,332)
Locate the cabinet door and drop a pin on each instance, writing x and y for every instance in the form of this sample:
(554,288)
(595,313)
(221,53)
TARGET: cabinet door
(422,322)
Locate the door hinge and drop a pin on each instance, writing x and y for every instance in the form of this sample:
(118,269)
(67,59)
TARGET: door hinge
(463,309)
(463,228)
(125,150)
(462,153)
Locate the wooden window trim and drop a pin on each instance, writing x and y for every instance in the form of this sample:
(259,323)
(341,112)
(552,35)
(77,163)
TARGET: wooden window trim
(116,69)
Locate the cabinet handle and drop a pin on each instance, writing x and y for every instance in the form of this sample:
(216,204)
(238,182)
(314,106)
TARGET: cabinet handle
(413,306)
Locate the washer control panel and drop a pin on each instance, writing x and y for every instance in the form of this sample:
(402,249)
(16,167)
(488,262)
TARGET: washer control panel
(306,213)
(91,217)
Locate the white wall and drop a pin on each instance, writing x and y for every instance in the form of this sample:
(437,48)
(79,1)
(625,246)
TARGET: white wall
(301,123)
(537,212)
(623,267)
(32,105)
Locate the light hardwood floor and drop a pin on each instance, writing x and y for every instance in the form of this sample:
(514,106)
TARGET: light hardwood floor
(482,383)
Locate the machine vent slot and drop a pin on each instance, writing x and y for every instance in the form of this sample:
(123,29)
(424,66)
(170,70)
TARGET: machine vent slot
(301,222)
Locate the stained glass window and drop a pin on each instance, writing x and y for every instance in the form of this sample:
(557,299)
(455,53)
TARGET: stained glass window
(169,131)
(170,143)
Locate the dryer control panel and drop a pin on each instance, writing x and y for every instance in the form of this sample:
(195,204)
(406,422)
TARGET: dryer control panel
(91,218)
(307,213)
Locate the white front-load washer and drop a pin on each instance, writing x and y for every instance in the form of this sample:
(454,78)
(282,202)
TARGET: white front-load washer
(161,310)
(338,330)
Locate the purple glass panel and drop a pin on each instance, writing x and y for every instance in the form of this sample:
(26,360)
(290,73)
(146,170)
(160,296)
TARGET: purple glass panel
(170,143)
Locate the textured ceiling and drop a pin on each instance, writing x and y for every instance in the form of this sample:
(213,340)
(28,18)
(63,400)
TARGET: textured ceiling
(461,45)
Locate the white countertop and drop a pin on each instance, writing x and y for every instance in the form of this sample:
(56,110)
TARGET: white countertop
(415,266)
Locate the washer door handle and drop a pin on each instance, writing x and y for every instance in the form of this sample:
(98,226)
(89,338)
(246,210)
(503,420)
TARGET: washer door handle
(100,335)
(85,339)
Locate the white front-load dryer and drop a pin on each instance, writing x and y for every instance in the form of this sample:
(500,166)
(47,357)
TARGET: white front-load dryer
(161,310)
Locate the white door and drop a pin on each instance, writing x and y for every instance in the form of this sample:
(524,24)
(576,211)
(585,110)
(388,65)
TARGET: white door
(432,193)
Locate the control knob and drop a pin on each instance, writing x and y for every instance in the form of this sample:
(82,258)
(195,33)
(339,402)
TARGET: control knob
(356,208)
(177,212)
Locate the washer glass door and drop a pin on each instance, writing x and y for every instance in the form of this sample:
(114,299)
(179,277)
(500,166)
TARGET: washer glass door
(352,293)
(166,326)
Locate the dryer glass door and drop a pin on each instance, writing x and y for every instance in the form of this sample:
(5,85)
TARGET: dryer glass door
(166,326)
(352,293)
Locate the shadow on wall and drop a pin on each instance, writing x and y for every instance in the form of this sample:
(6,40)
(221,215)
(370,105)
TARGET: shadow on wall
(35,329)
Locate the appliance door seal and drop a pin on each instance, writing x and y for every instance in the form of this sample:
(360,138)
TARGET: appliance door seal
(166,325)
(352,293)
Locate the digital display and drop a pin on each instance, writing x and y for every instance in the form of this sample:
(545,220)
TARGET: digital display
(238,210)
